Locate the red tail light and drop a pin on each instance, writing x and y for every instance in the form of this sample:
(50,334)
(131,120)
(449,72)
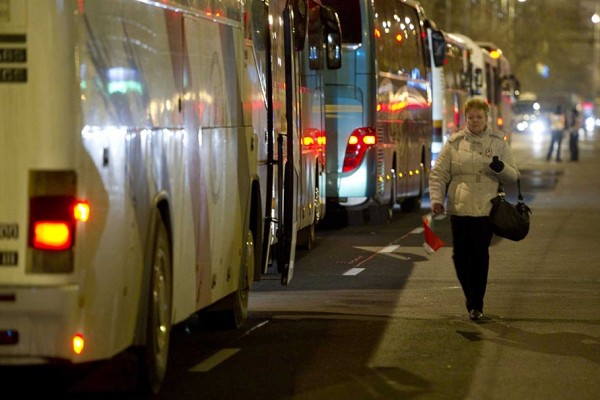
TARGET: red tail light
(313,139)
(52,222)
(52,235)
(54,214)
(358,143)
(321,138)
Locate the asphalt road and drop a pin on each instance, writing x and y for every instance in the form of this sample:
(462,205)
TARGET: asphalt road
(541,335)
(371,315)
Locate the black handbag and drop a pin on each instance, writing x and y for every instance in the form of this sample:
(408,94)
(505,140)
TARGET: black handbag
(510,221)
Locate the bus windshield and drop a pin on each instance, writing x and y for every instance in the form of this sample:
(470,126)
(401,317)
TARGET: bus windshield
(347,11)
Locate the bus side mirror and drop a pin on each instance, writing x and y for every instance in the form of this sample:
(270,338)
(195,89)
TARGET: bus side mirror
(333,38)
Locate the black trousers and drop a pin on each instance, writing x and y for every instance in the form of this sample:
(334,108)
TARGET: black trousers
(574,145)
(471,237)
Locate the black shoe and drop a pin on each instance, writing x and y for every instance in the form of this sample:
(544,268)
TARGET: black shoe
(475,315)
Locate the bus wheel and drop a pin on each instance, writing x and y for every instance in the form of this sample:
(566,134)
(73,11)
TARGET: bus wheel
(154,354)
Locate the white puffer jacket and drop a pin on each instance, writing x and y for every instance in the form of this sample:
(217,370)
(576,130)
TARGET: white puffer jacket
(463,168)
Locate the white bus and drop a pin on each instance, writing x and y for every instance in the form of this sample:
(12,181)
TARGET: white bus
(291,139)
(451,88)
(379,108)
(492,80)
(133,137)
(502,86)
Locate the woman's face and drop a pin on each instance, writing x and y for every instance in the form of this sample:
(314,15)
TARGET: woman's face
(476,120)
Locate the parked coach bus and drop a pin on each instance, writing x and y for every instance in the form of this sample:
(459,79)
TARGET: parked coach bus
(492,80)
(450,88)
(150,158)
(503,87)
(288,114)
(378,108)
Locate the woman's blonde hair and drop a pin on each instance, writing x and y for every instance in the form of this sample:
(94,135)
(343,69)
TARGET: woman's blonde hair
(477,104)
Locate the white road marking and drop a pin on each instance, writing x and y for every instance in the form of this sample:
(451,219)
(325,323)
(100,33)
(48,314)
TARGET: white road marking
(374,250)
(353,271)
(389,249)
(214,360)
(256,327)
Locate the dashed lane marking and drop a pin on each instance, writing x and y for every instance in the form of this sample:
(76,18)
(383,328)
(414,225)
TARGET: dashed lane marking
(353,271)
(389,249)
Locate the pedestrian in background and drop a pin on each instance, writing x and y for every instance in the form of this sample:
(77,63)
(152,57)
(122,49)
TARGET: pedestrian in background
(557,127)
(575,124)
(469,168)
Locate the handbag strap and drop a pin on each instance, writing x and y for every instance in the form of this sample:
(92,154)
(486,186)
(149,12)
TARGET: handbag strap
(519,188)
(501,189)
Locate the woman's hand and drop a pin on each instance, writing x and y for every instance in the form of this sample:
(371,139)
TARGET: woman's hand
(437,208)
(496,165)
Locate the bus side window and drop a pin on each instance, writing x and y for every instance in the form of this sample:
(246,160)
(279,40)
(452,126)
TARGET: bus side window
(491,82)
(467,71)
(300,22)
(449,69)
(478,81)
(438,45)
(260,18)
(382,37)
(411,42)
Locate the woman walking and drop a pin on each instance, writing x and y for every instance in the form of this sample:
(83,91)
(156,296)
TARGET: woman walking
(471,165)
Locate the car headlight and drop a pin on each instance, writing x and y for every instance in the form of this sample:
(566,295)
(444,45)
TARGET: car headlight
(538,127)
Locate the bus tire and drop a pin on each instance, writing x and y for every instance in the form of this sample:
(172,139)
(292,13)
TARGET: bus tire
(154,353)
